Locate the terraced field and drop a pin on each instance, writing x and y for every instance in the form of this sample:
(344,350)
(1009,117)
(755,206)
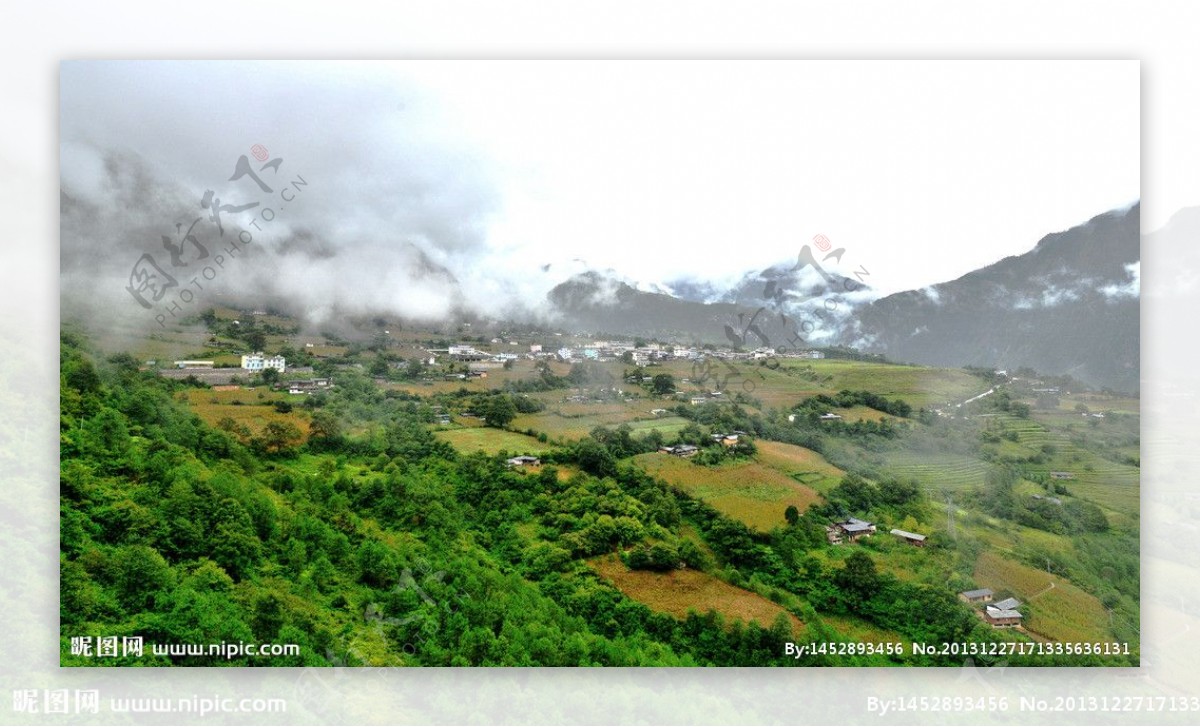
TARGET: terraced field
(937,469)
(1109,484)
(752,492)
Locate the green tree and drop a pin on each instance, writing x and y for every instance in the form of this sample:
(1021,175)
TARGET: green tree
(595,458)
(858,578)
(792,515)
(894,491)
(255,339)
(324,425)
(659,557)
(279,437)
(379,367)
(857,494)
(498,410)
(662,384)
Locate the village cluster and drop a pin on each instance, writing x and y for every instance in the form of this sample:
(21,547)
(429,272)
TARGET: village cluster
(638,354)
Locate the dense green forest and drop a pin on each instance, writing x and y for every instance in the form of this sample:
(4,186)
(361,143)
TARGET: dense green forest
(373,542)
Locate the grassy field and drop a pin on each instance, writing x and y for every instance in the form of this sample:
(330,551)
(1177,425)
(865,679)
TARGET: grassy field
(862,414)
(1054,607)
(252,407)
(666,425)
(686,590)
(575,421)
(490,441)
(918,385)
(804,465)
(750,491)
(795,379)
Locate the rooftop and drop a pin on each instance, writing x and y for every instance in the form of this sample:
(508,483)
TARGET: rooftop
(977,593)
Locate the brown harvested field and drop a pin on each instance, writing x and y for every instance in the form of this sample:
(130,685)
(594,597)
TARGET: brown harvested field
(750,491)
(679,591)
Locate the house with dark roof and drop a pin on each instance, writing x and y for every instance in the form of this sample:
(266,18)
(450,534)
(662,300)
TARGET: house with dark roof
(852,529)
(680,450)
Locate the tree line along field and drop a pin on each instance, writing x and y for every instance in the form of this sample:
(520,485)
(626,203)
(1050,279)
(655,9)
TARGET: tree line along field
(598,515)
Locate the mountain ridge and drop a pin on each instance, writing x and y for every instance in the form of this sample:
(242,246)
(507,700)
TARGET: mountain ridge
(1069,305)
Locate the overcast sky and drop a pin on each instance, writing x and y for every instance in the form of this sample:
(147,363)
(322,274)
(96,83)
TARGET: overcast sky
(923,171)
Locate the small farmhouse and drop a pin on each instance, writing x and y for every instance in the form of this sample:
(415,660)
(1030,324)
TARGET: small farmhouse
(524,460)
(680,450)
(1002,617)
(911,538)
(852,529)
(979,595)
